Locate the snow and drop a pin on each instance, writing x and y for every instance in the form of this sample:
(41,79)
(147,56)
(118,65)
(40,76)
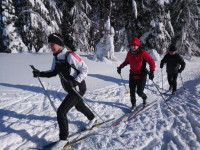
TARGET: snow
(28,120)
(16,44)
(134,4)
(162,2)
(154,54)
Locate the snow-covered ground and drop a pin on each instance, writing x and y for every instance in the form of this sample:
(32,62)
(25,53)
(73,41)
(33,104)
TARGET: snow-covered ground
(28,119)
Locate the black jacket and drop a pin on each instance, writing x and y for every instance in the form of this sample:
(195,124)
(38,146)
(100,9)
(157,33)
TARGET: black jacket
(173,63)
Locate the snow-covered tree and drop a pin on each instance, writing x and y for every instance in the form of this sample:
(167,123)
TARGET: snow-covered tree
(24,25)
(11,40)
(121,41)
(81,25)
(186,25)
(105,47)
(40,19)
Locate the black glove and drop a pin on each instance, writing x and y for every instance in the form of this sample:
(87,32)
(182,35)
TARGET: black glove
(151,75)
(180,70)
(72,82)
(119,70)
(161,66)
(36,73)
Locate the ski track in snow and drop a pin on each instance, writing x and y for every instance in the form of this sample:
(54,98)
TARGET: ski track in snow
(28,120)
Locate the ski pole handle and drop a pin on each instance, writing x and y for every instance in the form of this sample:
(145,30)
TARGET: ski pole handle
(33,67)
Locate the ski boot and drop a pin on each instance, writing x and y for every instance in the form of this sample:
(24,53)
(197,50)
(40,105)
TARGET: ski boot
(170,87)
(132,108)
(91,123)
(173,92)
(60,144)
(144,102)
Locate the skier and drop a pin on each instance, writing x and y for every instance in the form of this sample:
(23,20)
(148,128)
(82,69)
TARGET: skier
(64,60)
(137,59)
(173,61)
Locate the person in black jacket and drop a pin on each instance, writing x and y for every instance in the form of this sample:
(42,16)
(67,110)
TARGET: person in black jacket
(64,61)
(175,65)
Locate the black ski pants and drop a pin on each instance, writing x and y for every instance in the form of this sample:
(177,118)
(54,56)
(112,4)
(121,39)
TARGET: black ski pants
(139,84)
(72,99)
(172,80)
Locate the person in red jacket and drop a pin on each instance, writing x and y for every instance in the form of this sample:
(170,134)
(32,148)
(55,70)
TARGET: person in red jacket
(137,59)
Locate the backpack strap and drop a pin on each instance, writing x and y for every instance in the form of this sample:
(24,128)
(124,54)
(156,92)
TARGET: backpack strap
(67,53)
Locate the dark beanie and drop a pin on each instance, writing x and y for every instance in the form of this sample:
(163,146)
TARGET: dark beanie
(172,48)
(56,38)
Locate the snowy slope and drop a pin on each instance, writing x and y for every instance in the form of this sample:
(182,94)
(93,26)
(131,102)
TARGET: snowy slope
(28,120)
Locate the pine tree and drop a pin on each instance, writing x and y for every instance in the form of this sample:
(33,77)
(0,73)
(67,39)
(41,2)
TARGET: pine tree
(157,23)
(186,24)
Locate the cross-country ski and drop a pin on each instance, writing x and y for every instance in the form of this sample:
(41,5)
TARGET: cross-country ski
(97,125)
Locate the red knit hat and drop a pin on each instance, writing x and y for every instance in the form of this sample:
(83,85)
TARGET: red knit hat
(134,41)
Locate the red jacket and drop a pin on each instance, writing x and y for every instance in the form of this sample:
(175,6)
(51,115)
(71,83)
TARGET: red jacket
(136,63)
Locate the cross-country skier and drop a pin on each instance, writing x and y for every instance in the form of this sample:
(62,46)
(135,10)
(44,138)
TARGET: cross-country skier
(63,62)
(175,65)
(137,59)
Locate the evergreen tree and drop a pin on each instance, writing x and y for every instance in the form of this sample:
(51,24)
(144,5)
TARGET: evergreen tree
(24,25)
(186,25)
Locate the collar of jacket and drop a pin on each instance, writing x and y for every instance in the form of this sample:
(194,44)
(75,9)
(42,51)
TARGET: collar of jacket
(135,52)
(58,52)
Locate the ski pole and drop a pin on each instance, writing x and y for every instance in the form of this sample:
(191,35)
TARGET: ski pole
(87,103)
(182,81)
(51,102)
(127,92)
(163,98)
(162,77)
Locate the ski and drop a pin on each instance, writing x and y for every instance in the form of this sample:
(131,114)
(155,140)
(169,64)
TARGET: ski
(94,126)
(140,110)
(125,116)
(167,92)
(169,98)
(69,144)
(47,145)
(74,134)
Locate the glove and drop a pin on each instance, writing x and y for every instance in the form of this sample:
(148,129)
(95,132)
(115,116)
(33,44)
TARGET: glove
(161,66)
(72,82)
(36,73)
(151,75)
(180,70)
(119,70)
